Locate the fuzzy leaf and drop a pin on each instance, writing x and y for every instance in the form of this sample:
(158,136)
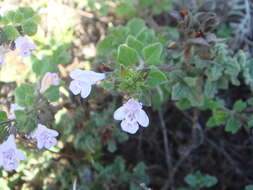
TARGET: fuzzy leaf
(52,93)
(152,53)
(156,77)
(180,91)
(239,105)
(135,44)
(10,32)
(127,56)
(29,27)
(233,125)
(24,95)
(136,25)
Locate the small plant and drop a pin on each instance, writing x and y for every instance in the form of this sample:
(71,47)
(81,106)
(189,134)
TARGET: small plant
(198,181)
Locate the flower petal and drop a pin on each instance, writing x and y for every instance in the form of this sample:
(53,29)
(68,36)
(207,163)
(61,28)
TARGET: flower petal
(74,87)
(10,142)
(50,143)
(40,143)
(20,155)
(76,74)
(11,166)
(142,118)
(86,76)
(119,114)
(130,127)
(52,132)
(86,89)
(92,76)
(19,41)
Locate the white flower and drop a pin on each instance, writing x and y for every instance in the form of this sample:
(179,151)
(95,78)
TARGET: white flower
(10,155)
(48,80)
(132,115)
(83,80)
(45,137)
(24,46)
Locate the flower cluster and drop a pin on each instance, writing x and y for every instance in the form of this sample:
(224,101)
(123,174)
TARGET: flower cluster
(10,155)
(131,113)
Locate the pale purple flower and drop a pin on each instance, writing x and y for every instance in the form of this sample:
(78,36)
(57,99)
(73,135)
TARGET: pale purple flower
(83,80)
(24,46)
(13,108)
(10,155)
(132,115)
(48,80)
(44,136)
(2,55)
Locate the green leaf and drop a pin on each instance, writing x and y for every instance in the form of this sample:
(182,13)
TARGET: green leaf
(135,44)
(134,186)
(61,55)
(3,116)
(250,101)
(216,72)
(18,17)
(10,32)
(191,180)
(10,15)
(191,81)
(25,123)
(3,130)
(146,35)
(40,67)
(125,10)
(24,95)
(183,104)
(156,77)
(249,187)
(127,56)
(152,53)
(239,105)
(180,91)
(146,3)
(250,123)
(105,45)
(28,12)
(52,93)
(136,25)
(210,89)
(209,181)
(111,147)
(233,125)
(218,118)
(29,27)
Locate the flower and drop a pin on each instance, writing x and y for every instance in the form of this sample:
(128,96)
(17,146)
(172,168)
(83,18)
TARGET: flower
(24,46)
(10,155)
(132,115)
(83,80)
(48,80)
(45,137)
(2,55)
(13,108)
